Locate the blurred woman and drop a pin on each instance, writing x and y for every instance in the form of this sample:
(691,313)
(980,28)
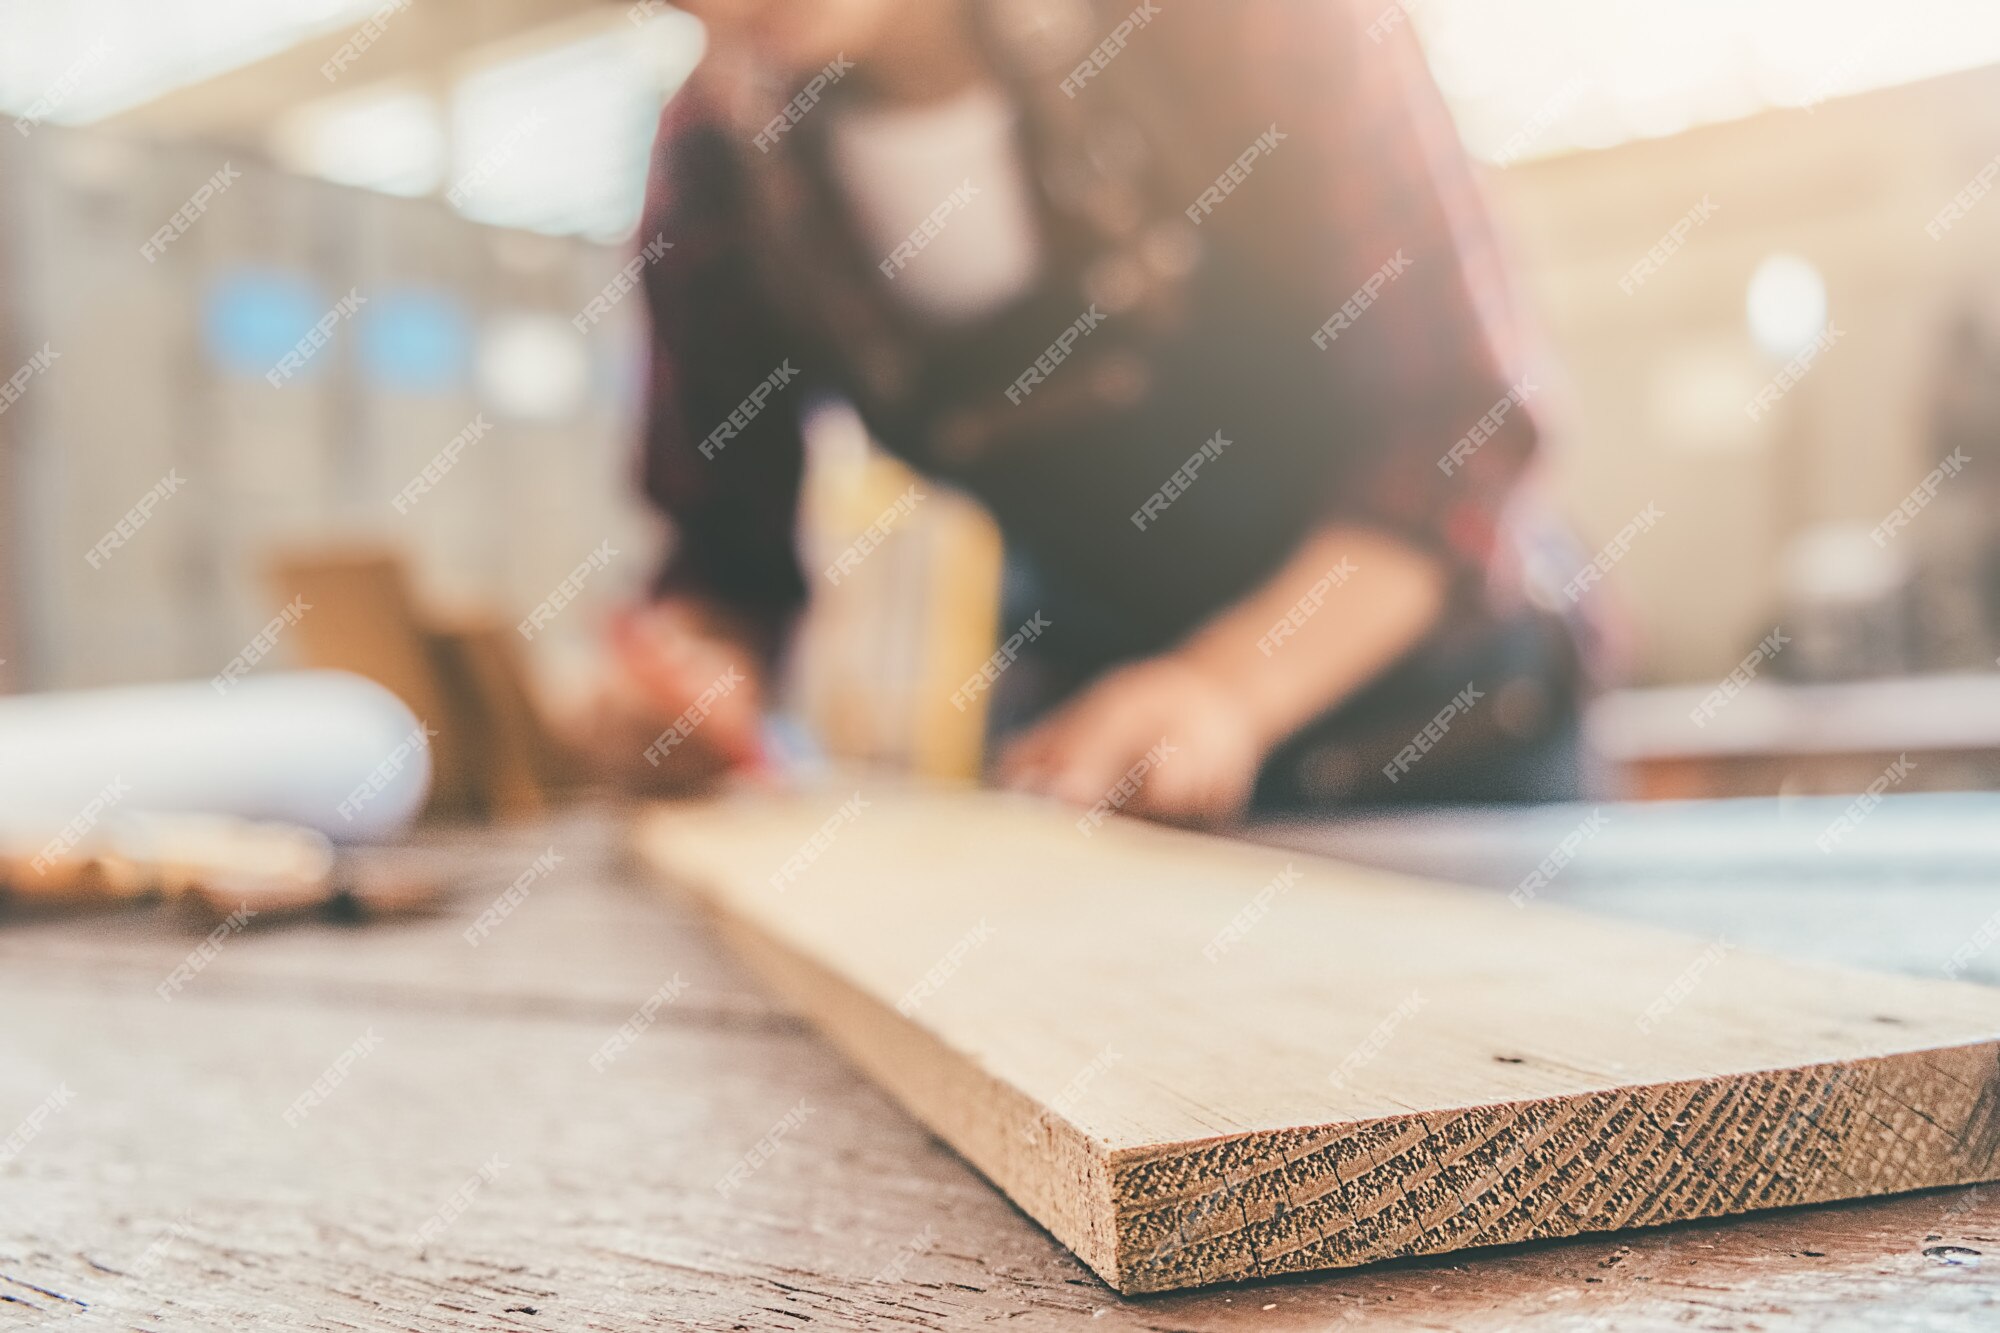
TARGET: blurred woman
(1200,299)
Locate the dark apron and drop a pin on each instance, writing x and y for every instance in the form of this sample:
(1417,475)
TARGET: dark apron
(1519,740)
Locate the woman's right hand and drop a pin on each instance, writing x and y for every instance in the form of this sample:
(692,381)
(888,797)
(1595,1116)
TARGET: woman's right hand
(682,700)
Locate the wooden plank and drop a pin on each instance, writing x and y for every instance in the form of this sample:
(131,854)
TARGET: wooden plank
(1371,1066)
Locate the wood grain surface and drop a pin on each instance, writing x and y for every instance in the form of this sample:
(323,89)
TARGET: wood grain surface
(170,1195)
(1100,1019)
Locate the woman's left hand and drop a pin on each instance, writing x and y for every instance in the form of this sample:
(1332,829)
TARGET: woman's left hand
(1202,742)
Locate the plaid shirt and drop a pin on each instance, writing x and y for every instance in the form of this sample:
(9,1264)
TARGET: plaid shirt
(1269,187)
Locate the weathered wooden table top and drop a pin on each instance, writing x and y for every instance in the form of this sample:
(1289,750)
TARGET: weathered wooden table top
(471,1169)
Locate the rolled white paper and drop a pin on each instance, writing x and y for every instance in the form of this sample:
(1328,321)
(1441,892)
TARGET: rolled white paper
(326,749)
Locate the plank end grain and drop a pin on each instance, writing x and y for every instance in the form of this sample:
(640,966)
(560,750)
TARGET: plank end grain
(1198,1061)
(1337,1196)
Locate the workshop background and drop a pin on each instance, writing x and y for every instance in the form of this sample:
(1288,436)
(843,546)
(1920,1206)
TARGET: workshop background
(1711,190)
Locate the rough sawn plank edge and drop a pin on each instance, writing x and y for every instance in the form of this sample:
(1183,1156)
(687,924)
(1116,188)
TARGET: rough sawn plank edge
(1239,1207)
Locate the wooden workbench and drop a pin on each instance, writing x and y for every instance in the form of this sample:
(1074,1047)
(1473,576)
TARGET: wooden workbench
(167,1191)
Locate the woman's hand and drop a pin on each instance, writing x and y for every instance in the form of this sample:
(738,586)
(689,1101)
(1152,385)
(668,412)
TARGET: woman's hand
(1217,704)
(682,702)
(1206,747)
